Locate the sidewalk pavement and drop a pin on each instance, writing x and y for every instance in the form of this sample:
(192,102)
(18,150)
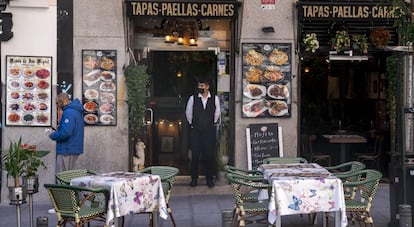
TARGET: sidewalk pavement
(194,207)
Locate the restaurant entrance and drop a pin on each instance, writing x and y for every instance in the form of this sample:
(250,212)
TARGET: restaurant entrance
(174,77)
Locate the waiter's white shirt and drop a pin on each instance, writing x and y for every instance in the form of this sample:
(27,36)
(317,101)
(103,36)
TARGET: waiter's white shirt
(190,103)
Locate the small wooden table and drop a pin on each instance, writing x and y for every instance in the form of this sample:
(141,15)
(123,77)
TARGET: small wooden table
(343,140)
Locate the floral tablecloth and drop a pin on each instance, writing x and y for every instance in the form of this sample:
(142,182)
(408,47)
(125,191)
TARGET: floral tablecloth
(303,188)
(129,193)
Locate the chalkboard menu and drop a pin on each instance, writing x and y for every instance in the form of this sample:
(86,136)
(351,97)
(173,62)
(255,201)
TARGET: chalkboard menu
(263,141)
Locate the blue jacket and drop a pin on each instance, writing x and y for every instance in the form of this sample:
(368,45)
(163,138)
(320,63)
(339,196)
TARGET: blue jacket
(69,134)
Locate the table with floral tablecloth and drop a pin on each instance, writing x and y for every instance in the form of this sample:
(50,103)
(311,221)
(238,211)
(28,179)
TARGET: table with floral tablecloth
(303,188)
(129,193)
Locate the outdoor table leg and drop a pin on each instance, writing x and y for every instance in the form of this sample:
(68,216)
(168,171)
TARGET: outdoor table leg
(278,221)
(338,218)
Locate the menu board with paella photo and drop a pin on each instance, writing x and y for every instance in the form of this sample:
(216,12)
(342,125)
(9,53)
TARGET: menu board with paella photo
(266,80)
(28,90)
(99,86)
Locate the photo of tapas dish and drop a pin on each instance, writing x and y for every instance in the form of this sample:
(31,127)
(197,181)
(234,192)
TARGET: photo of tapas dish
(273,75)
(90,118)
(253,57)
(13,117)
(254,91)
(14,84)
(27,96)
(42,106)
(277,107)
(13,107)
(107,86)
(29,107)
(90,62)
(107,63)
(91,94)
(254,108)
(28,118)
(90,106)
(278,57)
(43,84)
(28,72)
(15,72)
(106,119)
(42,96)
(92,77)
(254,75)
(42,73)
(42,118)
(278,91)
(107,76)
(105,108)
(107,97)
(14,95)
(28,85)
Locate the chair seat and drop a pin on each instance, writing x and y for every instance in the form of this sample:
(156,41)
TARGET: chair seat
(256,207)
(87,212)
(355,205)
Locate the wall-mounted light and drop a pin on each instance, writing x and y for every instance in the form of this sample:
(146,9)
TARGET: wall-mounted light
(179,74)
(306,69)
(180,40)
(169,39)
(193,41)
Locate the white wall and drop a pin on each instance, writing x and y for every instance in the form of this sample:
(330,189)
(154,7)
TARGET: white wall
(283,20)
(34,28)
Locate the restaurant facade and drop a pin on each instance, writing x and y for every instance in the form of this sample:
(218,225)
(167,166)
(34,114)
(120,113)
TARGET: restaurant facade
(252,52)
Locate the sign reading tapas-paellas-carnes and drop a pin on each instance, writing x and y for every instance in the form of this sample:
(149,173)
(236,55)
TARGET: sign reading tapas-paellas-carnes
(28,90)
(99,86)
(266,79)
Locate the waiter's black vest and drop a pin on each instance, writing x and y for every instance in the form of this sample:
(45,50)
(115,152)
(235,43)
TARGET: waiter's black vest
(203,118)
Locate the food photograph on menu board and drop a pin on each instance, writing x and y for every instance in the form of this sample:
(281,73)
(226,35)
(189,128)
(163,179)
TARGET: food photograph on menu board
(99,86)
(28,90)
(266,80)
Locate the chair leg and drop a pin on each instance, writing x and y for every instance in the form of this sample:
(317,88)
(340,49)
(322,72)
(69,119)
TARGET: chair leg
(151,220)
(171,215)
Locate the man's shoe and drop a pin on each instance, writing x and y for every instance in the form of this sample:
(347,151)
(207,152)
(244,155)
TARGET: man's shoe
(210,184)
(193,183)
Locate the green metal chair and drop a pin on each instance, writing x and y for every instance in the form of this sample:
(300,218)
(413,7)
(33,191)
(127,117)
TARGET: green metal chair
(70,204)
(167,175)
(248,212)
(345,172)
(66,176)
(247,193)
(307,149)
(358,208)
(284,160)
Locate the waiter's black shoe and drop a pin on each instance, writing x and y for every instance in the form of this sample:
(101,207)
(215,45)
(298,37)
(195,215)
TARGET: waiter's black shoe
(193,183)
(210,183)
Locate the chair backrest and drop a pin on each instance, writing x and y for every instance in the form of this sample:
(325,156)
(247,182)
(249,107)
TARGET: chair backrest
(237,181)
(65,177)
(367,185)
(67,200)
(346,168)
(284,160)
(244,172)
(167,175)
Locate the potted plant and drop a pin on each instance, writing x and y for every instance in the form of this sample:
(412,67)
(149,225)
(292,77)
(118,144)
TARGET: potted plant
(311,42)
(21,160)
(360,42)
(341,41)
(380,37)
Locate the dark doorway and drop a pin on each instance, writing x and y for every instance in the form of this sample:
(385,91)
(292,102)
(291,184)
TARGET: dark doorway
(174,78)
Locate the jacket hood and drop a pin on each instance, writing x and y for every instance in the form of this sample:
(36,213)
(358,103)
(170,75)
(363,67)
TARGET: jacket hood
(76,105)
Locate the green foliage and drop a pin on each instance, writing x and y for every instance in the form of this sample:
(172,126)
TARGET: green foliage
(403,21)
(22,160)
(393,66)
(136,80)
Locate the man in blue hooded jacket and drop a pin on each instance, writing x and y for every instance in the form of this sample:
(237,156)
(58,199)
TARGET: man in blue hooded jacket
(69,134)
